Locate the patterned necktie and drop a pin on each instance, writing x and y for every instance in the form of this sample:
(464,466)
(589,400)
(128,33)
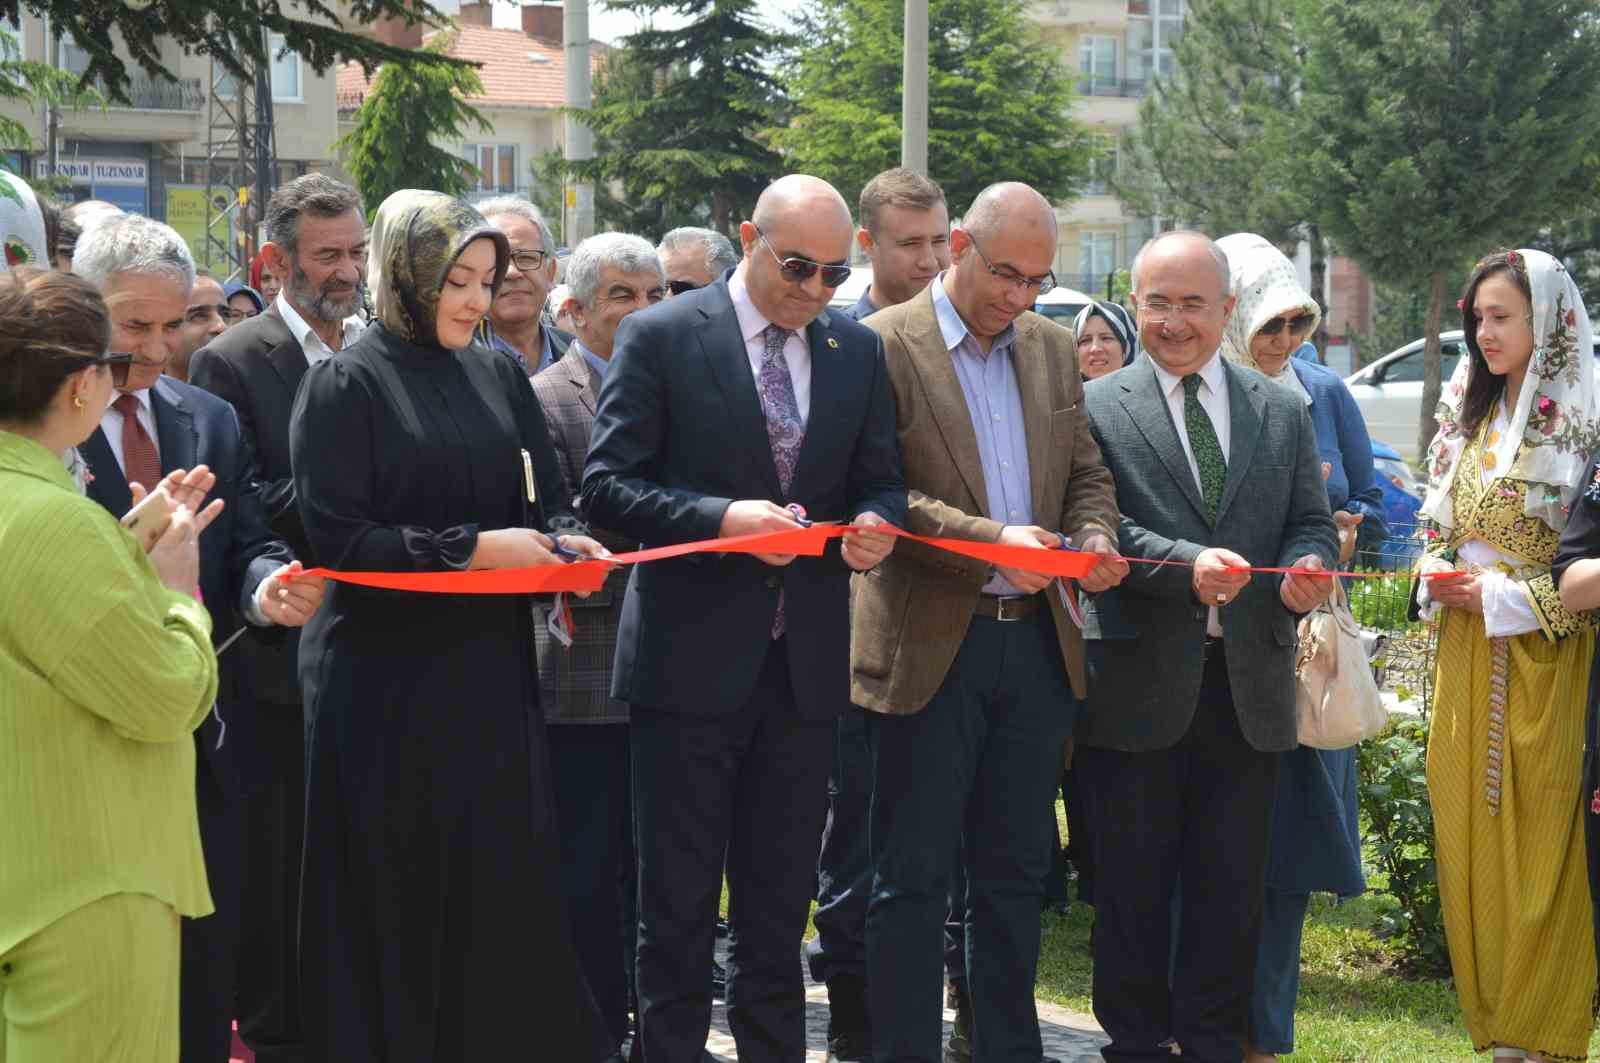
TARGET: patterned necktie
(785,430)
(141,462)
(1203,441)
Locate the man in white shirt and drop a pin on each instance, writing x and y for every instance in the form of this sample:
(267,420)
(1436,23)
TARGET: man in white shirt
(1191,662)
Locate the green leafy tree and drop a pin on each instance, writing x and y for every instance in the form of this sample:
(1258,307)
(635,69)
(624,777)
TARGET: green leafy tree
(998,103)
(31,83)
(410,109)
(678,114)
(1431,132)
(235,34)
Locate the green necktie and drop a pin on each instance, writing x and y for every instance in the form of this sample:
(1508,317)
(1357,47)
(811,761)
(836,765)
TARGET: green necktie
(1203,441)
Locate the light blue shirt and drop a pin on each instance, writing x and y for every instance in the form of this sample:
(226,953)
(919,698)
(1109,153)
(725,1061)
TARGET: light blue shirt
(599,364)
(989,383)
(546,352)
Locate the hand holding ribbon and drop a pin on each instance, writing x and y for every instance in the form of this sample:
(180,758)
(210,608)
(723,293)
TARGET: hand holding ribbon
(757,516)
(863,550)
(1109,571)
(1303,593)
(1219,576)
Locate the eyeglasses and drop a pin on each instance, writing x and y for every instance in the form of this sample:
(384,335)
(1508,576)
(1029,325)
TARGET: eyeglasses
(800,270)
(1158,310)
(679,287)
(1298,325)
(1012,277)
(119,364)
(528,260)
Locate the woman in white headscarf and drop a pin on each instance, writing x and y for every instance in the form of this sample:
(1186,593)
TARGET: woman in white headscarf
(1516,425)
(1316,838)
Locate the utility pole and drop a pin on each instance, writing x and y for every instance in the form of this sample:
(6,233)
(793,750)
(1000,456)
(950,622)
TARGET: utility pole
(914,93)
(577,213)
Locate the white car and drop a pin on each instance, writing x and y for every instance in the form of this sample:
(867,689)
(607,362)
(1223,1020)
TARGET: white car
(1389,391)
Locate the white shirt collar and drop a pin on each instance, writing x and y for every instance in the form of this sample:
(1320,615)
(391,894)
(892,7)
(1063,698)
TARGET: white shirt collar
(752,322)
(1211,374)
(143,397)
(303,333)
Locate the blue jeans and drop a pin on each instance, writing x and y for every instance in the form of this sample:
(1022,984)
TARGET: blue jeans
(1283,919)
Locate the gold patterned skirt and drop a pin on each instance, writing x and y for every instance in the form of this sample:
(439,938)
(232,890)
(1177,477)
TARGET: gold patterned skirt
(1505,788)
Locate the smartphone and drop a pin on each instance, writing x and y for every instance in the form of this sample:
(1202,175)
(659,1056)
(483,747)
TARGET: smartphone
(149,519)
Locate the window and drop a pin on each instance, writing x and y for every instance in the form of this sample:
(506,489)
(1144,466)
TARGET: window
(1152,31)
(1102,167)
(1408,368)
(1097,253)
(74,60)
(285,73)
(497,166)
(1097,66)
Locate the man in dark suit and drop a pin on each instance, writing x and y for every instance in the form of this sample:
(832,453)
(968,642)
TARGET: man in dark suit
(721,408)
(969,671)
(1191,666)
(611,276)
(317,242)
(516,323)
(154,426)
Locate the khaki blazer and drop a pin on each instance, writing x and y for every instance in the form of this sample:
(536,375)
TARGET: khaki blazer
(910,614)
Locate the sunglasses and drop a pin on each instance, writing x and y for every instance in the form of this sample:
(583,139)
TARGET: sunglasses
(119,364)
(1298,325)
(799,269)
(679,287)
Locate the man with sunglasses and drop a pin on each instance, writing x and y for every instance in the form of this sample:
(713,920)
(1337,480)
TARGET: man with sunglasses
(248,575)
(970,672)
(694,257)
(515,324)
(741,408)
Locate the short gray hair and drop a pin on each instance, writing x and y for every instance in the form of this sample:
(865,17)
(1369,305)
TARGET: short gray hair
(132,243)
(1218,256)
(315,194)
(718,249)
(523,209)
(621,251)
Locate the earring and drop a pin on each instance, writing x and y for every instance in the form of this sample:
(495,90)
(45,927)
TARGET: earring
(77,401)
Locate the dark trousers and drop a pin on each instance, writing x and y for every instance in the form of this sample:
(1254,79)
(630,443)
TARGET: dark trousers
(269,751)
(1080,833)
(208,947)
(742,786)
(1202,809)
(978,763)
(589,770)
(844,874)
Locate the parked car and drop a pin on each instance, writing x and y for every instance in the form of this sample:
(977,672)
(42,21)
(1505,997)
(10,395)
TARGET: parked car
(1402,499)
(1058,304)
(1389,391)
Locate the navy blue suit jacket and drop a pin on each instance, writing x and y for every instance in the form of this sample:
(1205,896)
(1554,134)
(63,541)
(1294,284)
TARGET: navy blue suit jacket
(238,551)
(679,433)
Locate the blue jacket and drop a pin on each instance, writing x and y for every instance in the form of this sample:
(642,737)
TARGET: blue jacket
(1343,442)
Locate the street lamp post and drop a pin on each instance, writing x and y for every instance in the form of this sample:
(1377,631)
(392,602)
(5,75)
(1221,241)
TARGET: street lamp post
(578,200)
(914,95)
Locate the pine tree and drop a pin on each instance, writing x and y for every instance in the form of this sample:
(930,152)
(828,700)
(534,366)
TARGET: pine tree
(999,104)
(410,109)
(678,123)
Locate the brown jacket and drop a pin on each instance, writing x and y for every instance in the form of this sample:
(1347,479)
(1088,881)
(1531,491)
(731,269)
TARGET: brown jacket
(909,615)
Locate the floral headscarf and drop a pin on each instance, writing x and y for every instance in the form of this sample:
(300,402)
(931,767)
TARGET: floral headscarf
(1555,414)
(1119,321)
(1264,286)
(21,225)
(416,237)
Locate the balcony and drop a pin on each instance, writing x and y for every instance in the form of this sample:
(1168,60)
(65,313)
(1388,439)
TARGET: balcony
(157,94)
(1124,88)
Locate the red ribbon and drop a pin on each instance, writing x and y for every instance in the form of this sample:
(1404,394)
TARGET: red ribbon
(580,576)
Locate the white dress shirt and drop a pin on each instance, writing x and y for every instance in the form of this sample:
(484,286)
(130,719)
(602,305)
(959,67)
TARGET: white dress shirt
(310,343)
(752,323)
(1213,396)
(111,425)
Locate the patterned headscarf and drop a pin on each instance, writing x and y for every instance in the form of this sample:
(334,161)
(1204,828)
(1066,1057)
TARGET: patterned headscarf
(1118,319)
(416,237)
(1555,414)
(21,225)
(1264,286)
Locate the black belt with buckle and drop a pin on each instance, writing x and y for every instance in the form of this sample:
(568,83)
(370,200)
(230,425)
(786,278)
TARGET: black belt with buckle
(1009,607)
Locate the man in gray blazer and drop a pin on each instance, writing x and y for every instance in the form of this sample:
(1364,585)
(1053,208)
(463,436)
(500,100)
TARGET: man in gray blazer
(1191,666)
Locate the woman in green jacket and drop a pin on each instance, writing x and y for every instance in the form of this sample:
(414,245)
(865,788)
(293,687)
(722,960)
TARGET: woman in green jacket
(106,669)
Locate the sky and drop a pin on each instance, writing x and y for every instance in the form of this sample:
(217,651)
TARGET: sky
(607,25)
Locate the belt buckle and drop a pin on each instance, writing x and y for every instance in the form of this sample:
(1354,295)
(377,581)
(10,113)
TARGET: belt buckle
(1000,610)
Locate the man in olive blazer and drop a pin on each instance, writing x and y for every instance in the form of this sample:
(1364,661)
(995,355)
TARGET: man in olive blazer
(965,668)
(1191,666)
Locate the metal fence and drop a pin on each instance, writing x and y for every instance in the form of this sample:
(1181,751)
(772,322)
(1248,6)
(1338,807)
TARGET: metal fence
(1404,649)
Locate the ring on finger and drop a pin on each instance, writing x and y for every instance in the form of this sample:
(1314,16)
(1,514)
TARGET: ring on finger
(1222,599)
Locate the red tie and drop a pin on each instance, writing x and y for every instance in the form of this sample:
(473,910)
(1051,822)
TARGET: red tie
(141,463)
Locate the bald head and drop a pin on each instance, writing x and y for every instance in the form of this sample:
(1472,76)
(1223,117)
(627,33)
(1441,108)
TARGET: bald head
(1193,247)
(798,196)
(804,221)
(1011,206)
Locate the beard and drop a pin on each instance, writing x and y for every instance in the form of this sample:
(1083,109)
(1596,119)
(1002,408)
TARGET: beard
(321,303)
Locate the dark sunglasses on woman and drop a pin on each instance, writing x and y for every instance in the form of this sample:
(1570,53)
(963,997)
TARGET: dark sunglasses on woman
(119,364)
(1298,325)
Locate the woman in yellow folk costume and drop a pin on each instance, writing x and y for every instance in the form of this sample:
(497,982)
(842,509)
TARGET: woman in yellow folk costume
(1516,424)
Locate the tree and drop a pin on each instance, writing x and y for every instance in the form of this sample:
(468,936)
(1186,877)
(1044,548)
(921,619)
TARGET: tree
(409,110)
(678,115)
(234,34)
(999,105)
(1433,131)
(31,83)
